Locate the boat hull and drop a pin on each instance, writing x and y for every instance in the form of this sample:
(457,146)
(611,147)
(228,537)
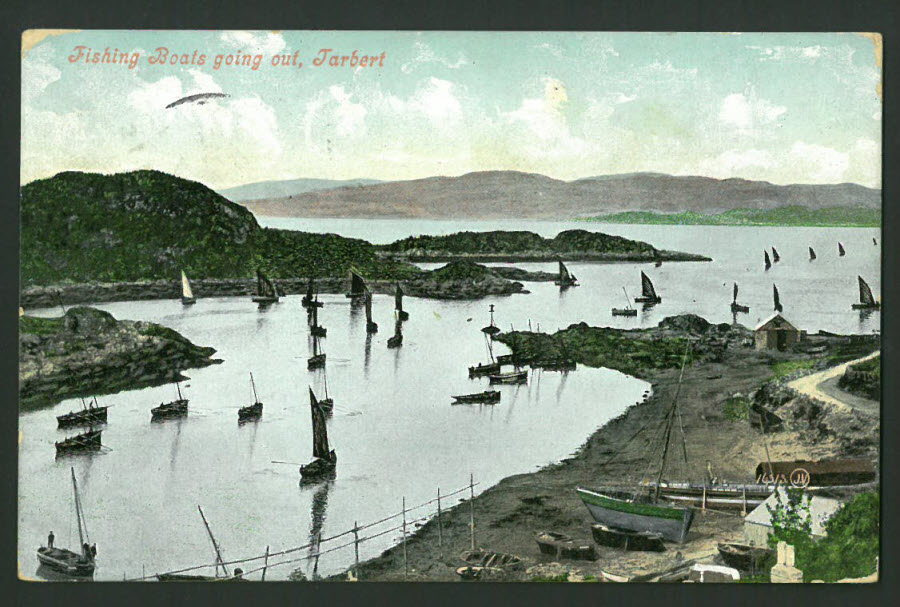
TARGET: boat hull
(738,497)
(401,315)
(250,412)
(486,369)
(646,541)
(651,300)
(315,362)
(188,301)
(371,327)
(65,561)
(178,408)
(671,522)
(89,441)
(861,306)
(264,300)
(624,312)
(95,415)
(319,468)
(743,557)
(490,397)
(739,308)
(395,342)
(318,331)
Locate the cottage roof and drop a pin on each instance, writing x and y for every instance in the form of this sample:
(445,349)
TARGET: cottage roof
(820,509)
(775,321)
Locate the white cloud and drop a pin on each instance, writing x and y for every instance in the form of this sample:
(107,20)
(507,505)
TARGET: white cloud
(438,101)
(806,54)
(823,164)
(746,112)
(266,43)
(425,54)
(37,74)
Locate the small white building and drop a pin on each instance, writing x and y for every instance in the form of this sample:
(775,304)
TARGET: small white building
(758,524)
(775,332)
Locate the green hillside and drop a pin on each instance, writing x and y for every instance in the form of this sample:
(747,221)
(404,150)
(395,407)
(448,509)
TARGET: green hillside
(859,217)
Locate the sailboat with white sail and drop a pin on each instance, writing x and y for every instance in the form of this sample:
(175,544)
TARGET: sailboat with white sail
(187,294)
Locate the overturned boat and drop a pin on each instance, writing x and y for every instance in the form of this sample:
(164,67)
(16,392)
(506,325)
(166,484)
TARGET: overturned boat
(187,294)
(488,397)
(90,414)
(266,291)
(69,562)
(254,411)
(324,459)
(176,408)
(565,279)
(866,300)
(735,306)
(648,293)
(560,545)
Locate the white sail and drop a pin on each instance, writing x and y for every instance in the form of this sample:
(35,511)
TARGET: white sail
(186,287)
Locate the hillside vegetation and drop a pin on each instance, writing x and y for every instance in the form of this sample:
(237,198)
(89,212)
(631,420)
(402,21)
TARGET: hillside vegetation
(784,216)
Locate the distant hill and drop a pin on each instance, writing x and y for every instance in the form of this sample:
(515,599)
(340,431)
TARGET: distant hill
(510,194)
(288,187)
(783,216)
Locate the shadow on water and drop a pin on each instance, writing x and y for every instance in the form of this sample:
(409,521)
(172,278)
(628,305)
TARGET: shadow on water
(368,354)
(318,513)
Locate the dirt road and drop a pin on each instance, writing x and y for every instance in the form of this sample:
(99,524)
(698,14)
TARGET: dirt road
(812,386)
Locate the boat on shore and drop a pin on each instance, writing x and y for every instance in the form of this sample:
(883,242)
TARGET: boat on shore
(560,545)
(565,279)
(648,292)
(743,557)
(324,459)
(90,414)
(84,442)
(176,408)
(266,291)
(69,562)
(251,412)
(187,294)
(866,300)
(735,306)
(738,496)
(628,310)
(637,541)
(488,397)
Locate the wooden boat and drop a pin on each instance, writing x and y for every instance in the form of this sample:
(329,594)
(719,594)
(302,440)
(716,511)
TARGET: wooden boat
(767,260)
(90,414)
(86,441)
(254,411)
(812,254)
(638,541)
(266,292)
(357,286)
(311,299)
(371,326)
(398,304)
(648,293)
(327,403)
(866,300)
(220,562)
(775,256)
(491,329)
(841,251)
(314,328)
(565,279)
(488,397)
(874,241)
(489,558)
(396,340)
(718,496)
(777,300)
(317,359)
(511,377)
(68,562)
(176,408)
(735,306)
(475,572)
(743,557)
(564,363)
(187,294)
(490,368)
(559,545)
(324,459)
(627,310)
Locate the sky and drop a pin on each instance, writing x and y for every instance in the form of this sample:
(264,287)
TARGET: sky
(785,108)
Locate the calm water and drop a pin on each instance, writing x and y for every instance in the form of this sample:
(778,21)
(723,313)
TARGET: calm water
(394,430)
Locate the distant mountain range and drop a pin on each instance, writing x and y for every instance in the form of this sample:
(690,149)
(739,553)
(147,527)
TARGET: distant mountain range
(511,194)
(288,187)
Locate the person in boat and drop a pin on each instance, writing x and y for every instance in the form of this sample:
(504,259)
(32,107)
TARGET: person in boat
(94,550)
(50,540)
(86,550)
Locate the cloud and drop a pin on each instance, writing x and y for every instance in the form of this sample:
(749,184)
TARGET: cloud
(37,74)
(807,54)
(425,54)
(746,112)
(266,43)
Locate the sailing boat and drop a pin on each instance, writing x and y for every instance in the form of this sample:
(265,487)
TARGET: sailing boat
(519,376)
(565,279)
(775,256)
(176,408)
(317,359)
(562,363)
(187,295)
(398,304)
(90,414)
(488,397)
(768,263)
(86,441)
(631,511)
(396,340)
(627,310)
(266,292)
(371,326)
(327,403)
(874,241)
(648,293)
(735,306)
(486,368)
(491,329)
(324,460)
(314,328)
(308,301)
(778,307)
(866,300)
(357,286)
(220,562)
(812,254)
(254,411)
(841,251)
(67,561)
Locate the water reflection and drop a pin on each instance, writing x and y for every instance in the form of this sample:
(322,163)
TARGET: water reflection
(318,513)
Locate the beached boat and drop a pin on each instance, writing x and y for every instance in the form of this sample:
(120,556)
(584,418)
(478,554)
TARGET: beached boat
(254,411)
(743,557)
(841,251)
(488,397)
(317,359)
(866,300)
(775,256)
(735,306)
(315,329)
(90,414)
(491,329)
(767,260)
(489,558)
(510,377)
(266,291)
(69,562)
(357,286)
(776,299)
(628,310)
(565,279)
(648,293)
(371,325)
(398,304)
(812,254)
(187,294)
(638,541)
(560,545)
(717,496)
(176,408)
(396,340)
(324,459)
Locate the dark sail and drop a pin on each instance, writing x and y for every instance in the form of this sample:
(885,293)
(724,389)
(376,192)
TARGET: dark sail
(309,290)
(775,257)
(647,289)
(357,284)
(778,307)
(812,254)
(734,300)
(264,286)
(841,250)
(320,434)
(865,293)
(768,262)
(398,299)
(368,306)
(563,273)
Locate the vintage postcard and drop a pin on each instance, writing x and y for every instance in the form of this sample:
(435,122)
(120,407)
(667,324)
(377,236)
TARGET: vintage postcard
(449,306)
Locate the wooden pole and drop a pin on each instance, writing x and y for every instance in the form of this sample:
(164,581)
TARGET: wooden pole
(744,510)
(356,549)
(405,561)
(704,498)
(472,508)
(265,564)
(440,527)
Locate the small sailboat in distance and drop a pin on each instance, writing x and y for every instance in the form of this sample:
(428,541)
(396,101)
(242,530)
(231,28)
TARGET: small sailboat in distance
(371,325)
(176,408)
(874,241)
(317,359)
(775,256)
(187,295)
(488,397)
(266,292)
(628,310)
(90,414)
(315,329)
(768,261)
(357,286)
(66,561)
(254,411)
(866,300)
(812,254)
(841,251)
(648,293)
(565,279)
(735,306)
(326,403)
(778,307)
(396,340)
(398,304)
(486,368)
(324,459)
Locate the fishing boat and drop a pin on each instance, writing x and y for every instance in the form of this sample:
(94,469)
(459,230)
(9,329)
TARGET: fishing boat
(628,310)
(482,369)
(398,304)
(77,564)
(812,254)
(638,541)
(778,306)
(371,325)
(327,403)
(775,256)
(866,300)
(357,286)
(648,293)
(488,397)
(511,377)
(187,294)
(324,459)
(638,511)
(560,545)
(86,441)
(396,340)
(220,562)
(314,328)
(491,329)
(841,251)
(874,241)
(565,279)
(735,306)
(176,408)
(317,359)
(254,411)
(266,292)
(90,414)
(718,496)
(743,557)
(311,299)
(767,260)
(564,362)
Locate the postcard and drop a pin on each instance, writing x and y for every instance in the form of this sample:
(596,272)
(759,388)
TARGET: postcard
(449,306)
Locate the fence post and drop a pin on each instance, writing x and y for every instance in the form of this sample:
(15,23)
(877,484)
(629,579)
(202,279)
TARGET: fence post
(265,565)
(356,548)
(440,528)
(405,561)
(472,508)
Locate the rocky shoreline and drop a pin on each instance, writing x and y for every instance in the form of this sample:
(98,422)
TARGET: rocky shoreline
(87,352)
(417,256)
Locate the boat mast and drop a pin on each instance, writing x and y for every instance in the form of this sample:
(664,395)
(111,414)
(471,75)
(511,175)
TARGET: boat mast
(627,299)
(219,559)
(178,387)
(668,432)
(492,314)
(253,385)
(78,514)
